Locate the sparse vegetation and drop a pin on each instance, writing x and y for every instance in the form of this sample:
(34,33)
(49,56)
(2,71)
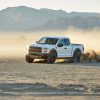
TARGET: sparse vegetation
(91,56)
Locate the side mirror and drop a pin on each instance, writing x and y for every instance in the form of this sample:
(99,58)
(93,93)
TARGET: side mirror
(60,45)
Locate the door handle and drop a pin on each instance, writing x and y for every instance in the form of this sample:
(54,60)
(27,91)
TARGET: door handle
(65,48)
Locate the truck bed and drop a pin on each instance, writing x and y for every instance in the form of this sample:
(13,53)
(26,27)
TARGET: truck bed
(73,44)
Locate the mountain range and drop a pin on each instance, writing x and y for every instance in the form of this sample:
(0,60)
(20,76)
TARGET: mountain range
(23,18)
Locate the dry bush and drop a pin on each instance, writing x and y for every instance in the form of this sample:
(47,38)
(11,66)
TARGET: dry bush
(91,55)
(98,56)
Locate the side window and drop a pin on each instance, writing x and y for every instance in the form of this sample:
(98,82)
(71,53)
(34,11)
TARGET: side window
(66,42)
(61,42)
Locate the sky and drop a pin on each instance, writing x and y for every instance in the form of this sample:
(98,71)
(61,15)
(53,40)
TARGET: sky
(67,5)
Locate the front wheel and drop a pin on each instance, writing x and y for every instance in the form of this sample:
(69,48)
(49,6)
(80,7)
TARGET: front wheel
(29,59)
(51,58)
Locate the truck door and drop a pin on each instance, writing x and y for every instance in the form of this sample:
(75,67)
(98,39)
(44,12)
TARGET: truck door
(64,48)
(67,48)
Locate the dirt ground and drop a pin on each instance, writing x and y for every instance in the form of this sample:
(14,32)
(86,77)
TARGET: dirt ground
(39,81)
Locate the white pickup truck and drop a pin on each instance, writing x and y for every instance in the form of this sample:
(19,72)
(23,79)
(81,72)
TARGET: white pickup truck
(52,48)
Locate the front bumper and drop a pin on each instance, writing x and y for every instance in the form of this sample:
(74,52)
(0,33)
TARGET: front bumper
(38,55)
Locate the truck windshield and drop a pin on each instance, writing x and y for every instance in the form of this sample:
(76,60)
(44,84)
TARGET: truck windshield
(50,41)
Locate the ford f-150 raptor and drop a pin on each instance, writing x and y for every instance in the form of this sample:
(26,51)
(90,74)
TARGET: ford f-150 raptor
(52,48)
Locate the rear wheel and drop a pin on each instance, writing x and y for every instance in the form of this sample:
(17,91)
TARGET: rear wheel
(29,59)
(77,56)
(51,58)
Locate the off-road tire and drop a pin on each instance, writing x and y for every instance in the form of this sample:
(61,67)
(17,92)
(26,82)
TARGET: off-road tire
(51,58)
(29,59)
(77,57)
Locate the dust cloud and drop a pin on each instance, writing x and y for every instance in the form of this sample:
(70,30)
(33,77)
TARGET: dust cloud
(14,44)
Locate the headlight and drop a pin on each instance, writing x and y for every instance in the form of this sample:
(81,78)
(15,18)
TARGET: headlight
(45,49)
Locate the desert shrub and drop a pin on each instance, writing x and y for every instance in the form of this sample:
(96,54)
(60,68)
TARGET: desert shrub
(91,55)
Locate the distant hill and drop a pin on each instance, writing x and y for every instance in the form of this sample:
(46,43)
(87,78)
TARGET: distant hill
(28,19)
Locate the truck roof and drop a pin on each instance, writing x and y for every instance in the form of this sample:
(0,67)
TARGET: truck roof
(60,37)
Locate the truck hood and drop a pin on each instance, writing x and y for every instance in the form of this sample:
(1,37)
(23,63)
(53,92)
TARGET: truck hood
(43,45)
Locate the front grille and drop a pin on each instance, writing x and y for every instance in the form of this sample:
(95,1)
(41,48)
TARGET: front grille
(35,50)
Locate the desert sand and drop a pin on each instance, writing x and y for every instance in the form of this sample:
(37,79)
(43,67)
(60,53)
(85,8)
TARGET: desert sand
(39,81)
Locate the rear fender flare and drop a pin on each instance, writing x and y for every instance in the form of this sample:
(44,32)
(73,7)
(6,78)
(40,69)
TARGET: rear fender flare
(76,50)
